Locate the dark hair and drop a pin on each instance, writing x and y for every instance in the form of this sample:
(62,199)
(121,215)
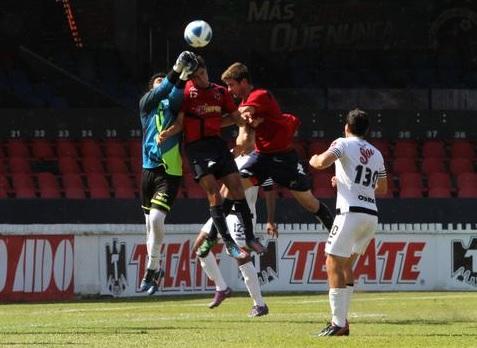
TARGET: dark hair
(358,122)
(201,62)
(153,77)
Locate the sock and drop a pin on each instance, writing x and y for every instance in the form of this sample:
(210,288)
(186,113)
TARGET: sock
(349,294)
(148,231)
(211,268)
(251,282)
(217,214)
(243,209)
(338,306)
(325,216)
(154,240)
(227,207)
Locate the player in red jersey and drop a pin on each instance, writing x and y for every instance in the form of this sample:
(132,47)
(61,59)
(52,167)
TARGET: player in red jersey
(274,156)
(201,119)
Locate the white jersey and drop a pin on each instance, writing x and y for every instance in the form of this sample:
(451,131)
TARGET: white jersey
(358,168)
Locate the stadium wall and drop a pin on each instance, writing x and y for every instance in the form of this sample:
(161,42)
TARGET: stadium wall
(52,262)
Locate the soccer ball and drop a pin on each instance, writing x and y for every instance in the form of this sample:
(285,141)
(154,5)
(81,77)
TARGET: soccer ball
(198,33)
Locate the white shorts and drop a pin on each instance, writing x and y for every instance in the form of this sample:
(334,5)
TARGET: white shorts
(235,229)
(351,234)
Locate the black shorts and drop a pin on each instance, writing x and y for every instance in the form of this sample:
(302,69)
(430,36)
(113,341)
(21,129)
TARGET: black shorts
(210,156)
(284,168)
(158,189)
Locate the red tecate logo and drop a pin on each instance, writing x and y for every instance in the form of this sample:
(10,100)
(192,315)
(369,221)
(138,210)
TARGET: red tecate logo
(386,262)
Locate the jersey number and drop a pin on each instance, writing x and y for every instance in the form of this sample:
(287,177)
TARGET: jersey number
(369,176)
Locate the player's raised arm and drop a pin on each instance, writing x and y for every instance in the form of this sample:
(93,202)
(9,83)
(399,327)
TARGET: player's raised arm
(323,160)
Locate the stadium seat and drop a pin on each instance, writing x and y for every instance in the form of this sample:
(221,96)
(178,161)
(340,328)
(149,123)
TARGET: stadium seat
(136,165)
(410,192)
(23,186)
(318,146)
(467,192)
(135,147)
(124,193)
(66,148)
(405,149)
(439,180)
(3,169)
(460,165)
(439,192)
(322,179)
(19,165)
(433,149)
(195,191)
(17,148)
(68,165)
(116,165)
(42,149)
(186,169)
(90,148)
(98,186)
(72,181)
(390,191)
(324,192)
(466,180)
(25,192)
(462,149)
(48,186)
(92,165)
(74,193)
(404,165)
(114,148)
(120,180)
(4,187)
(300,148)
(432,165)
(383,147)
(410,180)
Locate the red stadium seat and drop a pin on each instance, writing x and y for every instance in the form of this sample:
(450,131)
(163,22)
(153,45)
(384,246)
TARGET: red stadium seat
(318,146)
(439,192)
(410,180)
(433,149)
(98,186)
(195,191)
(116,165)
(114,148)
(432,165)
(4,187)
(17,148)
(136,164)
(466,180)
(42,149)
(441,180)
(186,169)
(66,148)
(322,179)
(383,147)
(72,181)
(135,147)
(467,192)
(300,148)
(92,165)
(48,186)
(405,149)
(90,148)
(19,165)
(390,191)
(462,149)
(68,165)
(119,180)
(3,169)
(460,165)
(404,165)
(124,193)
(324,192)
(25,192)
(74,193)
(410,192)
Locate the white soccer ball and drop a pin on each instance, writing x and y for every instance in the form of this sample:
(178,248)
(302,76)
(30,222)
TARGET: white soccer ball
(198,33)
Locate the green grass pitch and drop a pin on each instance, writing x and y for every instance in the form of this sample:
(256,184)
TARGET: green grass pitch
(393,319)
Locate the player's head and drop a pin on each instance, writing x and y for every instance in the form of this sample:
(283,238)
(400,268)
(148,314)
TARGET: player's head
(200,77)
(237,78)
(155,80)
(357,123)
